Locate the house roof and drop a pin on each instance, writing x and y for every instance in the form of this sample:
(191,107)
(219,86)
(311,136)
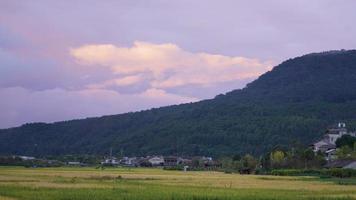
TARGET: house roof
(330,151)
(324,144)
(321,142)
(336,130)
(339,163)
(328,146)
(351,166)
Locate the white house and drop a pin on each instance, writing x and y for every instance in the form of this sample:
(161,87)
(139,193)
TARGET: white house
(133,161)
(74,163)
(27,157)
(329,139)
(335,133)
(110,161)
(156,161)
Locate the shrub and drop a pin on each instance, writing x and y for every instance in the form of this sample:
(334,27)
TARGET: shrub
(341,173)
(336,172)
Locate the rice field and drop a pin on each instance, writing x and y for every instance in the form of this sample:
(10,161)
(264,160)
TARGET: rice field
(156,184)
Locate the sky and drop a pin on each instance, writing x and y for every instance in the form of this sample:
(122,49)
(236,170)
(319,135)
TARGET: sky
(70,59)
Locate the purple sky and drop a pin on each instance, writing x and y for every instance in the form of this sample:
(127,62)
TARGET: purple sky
(62,60)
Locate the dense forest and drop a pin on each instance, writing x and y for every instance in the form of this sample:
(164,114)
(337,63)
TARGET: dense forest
(292,104)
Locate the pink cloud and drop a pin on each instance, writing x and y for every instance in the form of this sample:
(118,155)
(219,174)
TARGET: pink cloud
(125,81)
(168,65)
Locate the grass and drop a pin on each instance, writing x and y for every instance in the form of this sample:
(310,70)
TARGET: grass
(156,184)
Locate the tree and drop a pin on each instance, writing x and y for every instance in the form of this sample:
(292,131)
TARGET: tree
(226,162)
(344,152)
(346,140)
(308,156)
(249,163)
(277,158)
(236,157)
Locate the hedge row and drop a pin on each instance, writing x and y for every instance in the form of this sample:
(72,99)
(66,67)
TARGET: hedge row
(337,172)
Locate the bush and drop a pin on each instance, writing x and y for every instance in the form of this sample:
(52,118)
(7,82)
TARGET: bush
(336,172)
(295,172)
(341,173)
(178,167)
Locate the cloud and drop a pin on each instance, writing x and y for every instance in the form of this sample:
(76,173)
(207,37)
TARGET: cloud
(124,82)
(167,65)
(20,105)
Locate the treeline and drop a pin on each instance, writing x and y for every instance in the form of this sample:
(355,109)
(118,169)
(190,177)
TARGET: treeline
(325,173)
(281,163)
(295,158)
(346,147)
(50,161)
(18,161)
(294,161)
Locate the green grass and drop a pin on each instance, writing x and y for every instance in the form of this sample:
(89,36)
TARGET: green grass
(156,184)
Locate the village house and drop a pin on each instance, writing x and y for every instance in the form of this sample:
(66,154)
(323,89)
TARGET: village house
(330,154)
(171,160)
(327,143)
(111,161)
(207,160)
(344,164)
(186,161)
(327,146)
(323,146)
(130,162)
(75,163)
(156,161)
(26,157)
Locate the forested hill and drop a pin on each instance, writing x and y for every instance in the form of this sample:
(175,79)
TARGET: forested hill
(328,76)
(293,103)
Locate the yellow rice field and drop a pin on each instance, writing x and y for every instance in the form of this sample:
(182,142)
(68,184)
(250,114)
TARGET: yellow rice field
(141,183)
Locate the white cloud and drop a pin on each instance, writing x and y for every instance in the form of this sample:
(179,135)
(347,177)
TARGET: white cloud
(167,65)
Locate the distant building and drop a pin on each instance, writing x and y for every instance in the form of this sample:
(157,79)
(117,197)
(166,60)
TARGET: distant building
(344,164)
(130,162)
(171,160)
(330,155)
(74,163)
(112,161)
(186,161)
(144,162)
(156,161)
(329,139)
(26,157)
(207,160)
(323,146)
(335,133)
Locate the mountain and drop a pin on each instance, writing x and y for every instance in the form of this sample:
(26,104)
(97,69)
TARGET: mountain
(291,104)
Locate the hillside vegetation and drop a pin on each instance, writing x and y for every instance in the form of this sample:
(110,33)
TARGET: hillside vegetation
(292,104)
